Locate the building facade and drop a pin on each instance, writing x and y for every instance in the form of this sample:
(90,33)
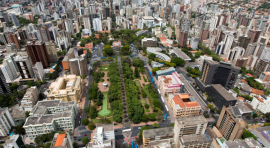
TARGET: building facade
(170,84)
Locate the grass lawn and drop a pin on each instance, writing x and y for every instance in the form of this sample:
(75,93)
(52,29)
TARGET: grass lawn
(104,68)
(105,111)
(97,120)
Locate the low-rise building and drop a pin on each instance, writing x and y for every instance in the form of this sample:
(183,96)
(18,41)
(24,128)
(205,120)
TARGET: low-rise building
(50,115)
(103,137)
(179,53)
(66,88)
(264,79)
(6,121)
(184,105)
(157,52)
(170,84)
(62,140)
(165,71)
(149,42)
(155,64)
(30,98)
(153,137)
(245,143)
(141,32)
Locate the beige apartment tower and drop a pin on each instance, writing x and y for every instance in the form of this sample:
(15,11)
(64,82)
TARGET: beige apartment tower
(229,125)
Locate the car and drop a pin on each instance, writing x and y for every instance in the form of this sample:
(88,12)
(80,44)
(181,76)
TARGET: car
(85,135)
(139,127)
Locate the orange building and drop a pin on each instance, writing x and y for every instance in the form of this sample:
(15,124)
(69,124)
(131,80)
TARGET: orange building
(29,16)
(184,105)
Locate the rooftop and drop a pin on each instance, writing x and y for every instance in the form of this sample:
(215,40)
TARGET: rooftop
(222,91)
(170,69)
(59,140)
(181,54)
(183,101)
(158,132)
(191,120)
(193,139)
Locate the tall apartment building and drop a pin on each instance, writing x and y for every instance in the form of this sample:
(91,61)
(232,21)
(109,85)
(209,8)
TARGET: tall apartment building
(4,87)
(97,24)
(160,135)
(6,122)
(50,115)
(86,22)
(10,69)
(78,65)
(37,52)
(69,55)
(191,125)
(66,88)
(244,41)
(103,137)
(52,51)
(229,125)
(107,12)
(39,71)
(182,40)
(15,21)
(25,67)
(44,32)
(15,141)
(13,38)
(30,98)
(262,66)
(184,105)
(62,140)
(221,97)
(254,35)
(204,34)
(217,73)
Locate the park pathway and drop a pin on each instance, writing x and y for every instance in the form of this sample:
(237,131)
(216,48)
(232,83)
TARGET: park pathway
(126,122)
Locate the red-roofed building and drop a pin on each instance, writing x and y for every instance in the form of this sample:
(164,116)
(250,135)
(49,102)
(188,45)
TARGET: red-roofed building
(183,105)
(256,92)
(116,44)
(61,141)
(241,99)
(89,46)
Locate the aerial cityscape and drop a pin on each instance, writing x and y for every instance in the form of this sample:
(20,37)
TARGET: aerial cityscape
(134,74)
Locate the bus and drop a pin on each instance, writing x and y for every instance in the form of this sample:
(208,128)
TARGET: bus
(165,117)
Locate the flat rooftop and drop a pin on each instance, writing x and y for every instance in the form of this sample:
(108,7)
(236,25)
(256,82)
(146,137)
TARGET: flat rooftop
(191,120)
(158,132)
(222,91)
(59,140)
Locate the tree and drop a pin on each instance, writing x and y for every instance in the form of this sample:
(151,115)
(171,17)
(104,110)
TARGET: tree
(152,117)
(155,125)
(117,118)
(91,125)
(188,68)
(85,121)
(93,112)
(137,62)
(247,134)
(151,56)
(75,145)
(209,99)
(189,74)
(144,118)
(125,50)
(19,130)
(85,140)
(198,54)
(146,106)
(178,61)
(154,70)
(136,72)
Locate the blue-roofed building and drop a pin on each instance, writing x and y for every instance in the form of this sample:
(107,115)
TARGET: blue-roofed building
(15,6)
(167,71)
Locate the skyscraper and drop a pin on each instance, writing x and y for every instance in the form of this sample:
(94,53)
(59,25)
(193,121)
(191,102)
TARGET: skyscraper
(97,24)
(45,35)
(86,22)
(217,73)
(25,66)
(52,51)
(14,20)
(106,12)
(254,35)
(37,52)
(13,38)
(183,35)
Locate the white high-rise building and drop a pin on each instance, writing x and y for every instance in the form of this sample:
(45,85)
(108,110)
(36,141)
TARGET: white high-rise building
(6,121)
(213,22)
(97,24)
(140,24)
(86,22)
(10,69)
(92,9)
(228,43)
(69,26)
(235,53)
(109,23)
(39,71)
